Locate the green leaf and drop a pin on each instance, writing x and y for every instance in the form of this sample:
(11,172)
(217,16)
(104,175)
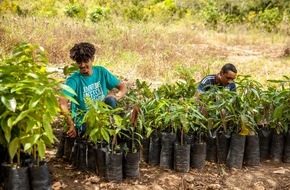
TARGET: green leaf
(34,101)
(68,89)
(51,105)
(105,135)
(47,128)
(13,146)
(46,140)
(35,138)
(30,124)
(10,121)
(70,99)
(93,132)
(21,116)
(278,112)
(7,130)
(27,146)
(41,148)
(9,103)
(33,75)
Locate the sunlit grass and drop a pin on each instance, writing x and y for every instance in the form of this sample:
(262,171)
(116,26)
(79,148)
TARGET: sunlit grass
(151,51)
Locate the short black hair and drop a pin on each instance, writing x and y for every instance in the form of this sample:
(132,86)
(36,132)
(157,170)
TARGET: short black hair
(82,52)
(229,67)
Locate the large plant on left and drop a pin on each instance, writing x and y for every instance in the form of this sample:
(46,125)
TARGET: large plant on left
(28,104)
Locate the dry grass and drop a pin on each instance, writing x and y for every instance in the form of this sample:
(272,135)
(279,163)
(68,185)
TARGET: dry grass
(154,52)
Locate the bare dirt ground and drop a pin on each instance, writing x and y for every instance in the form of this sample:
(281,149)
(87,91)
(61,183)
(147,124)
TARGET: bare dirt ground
(269,175)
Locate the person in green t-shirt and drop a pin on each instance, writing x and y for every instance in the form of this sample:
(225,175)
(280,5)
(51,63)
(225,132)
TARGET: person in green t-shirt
(93,81)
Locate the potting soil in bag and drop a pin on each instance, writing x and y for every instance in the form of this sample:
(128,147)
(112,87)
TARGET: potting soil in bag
(198,155)
(100,159)
(252,151)
(145,149)
(91,165)
(15,178)
(277,147)
(154,150)
(223,144)
(265,141)
(211,149)
(81,161)
(236,151)
(3,156)
(167,150)
(40,178)
(286,155)
(114,170)
(181,157)
(131,165)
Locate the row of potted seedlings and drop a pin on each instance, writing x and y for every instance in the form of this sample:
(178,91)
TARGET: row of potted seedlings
(176,132)
(242,127)
(110,146)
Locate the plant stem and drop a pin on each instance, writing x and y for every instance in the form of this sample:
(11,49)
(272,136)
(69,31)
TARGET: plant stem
(18,156)
(181,138)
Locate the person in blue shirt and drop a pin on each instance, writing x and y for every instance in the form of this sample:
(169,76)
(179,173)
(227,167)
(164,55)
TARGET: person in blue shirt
(96,82)
(224,79)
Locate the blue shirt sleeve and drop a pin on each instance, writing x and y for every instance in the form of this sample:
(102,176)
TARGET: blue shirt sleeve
(233,87)
(200,87)
(111,80)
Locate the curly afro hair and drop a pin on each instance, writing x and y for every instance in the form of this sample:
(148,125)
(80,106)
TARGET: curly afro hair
(82,52)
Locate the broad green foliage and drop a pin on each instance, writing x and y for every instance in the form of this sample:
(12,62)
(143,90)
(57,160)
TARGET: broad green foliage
(75,11)
(133,130)
(99,13)
(265,14)
(104,123)
(184,116)
(270,19)
(280,101)
(217,105)
(248,103)
(28,101)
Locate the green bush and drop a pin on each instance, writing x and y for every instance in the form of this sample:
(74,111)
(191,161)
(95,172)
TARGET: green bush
(211,14)
(98,13)
(75,11)
(269,19)
(166,10)
(267,14)
(135,13)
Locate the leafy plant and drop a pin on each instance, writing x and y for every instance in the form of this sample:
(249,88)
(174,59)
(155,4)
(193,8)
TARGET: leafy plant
(269,19)
(217,106)
(98,13)
(281,106)
(75,10)
(135,13)
(184,116)
(134,126)
(103,122)
(247,105)
(28,101)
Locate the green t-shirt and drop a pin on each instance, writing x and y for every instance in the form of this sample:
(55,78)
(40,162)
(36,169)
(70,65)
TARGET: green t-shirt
(95,86)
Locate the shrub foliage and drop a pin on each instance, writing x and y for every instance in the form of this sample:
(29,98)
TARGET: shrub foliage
(265,14)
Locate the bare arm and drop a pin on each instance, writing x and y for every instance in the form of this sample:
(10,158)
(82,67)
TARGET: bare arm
(63,102)
(122,91)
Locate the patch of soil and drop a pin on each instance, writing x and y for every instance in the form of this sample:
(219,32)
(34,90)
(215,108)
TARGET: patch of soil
(269,175)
